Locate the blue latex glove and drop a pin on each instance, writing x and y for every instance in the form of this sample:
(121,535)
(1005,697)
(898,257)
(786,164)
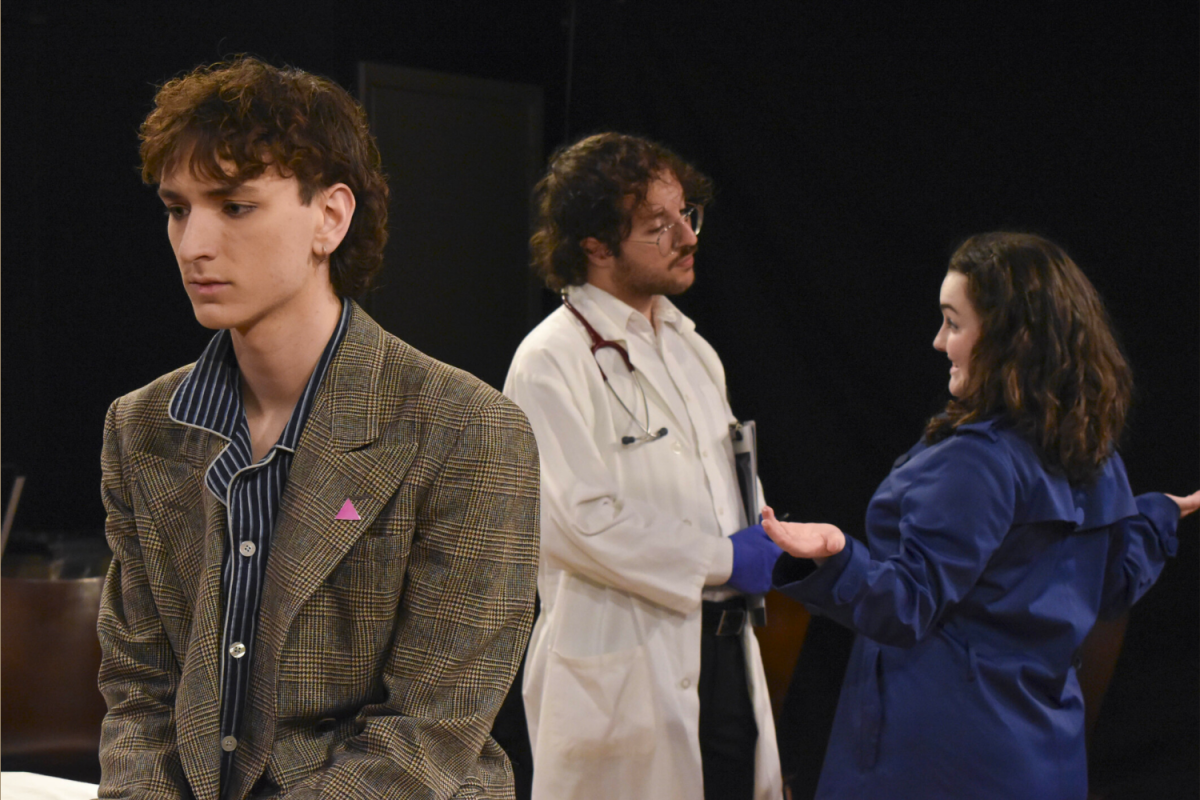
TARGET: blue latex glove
(754,556)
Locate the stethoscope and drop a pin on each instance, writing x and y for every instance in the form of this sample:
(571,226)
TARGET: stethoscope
(599,343)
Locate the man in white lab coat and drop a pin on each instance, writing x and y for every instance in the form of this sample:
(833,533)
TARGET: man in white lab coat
(643,678)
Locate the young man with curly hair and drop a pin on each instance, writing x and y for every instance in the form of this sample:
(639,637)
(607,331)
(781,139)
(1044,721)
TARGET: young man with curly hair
(643,679)
(324,542)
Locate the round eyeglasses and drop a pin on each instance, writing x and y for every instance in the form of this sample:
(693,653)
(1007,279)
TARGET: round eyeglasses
(693,216)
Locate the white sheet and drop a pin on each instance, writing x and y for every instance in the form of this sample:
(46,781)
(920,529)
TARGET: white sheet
(30,786)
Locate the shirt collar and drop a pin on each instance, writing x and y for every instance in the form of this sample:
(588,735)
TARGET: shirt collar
(210,397)
(667,313)
(628,319)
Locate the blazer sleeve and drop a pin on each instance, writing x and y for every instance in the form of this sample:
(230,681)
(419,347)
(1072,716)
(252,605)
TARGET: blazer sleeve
(953,517)
(1138,549)
(139,674)
(463,624)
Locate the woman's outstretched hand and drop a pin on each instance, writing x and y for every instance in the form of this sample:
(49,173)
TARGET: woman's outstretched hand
(815,540)
(1186,506)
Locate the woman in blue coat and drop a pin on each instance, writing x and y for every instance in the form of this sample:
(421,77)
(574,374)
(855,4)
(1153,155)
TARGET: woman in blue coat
(992,547)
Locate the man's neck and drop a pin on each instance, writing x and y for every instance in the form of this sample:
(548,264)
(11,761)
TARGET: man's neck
(277,356)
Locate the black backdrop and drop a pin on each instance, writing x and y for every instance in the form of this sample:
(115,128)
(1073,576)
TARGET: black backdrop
(853,143)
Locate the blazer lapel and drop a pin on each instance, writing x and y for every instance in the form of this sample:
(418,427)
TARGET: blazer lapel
(190,527)
(198,703)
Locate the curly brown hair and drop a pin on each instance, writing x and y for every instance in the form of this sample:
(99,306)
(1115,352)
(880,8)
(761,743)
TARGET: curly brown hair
(1046,360)
(585,193)
(238,118)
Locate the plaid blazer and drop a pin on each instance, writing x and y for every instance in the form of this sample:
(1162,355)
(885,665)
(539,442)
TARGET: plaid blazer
(385,645)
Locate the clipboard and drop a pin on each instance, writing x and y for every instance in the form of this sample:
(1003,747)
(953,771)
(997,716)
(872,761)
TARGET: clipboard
(745,465)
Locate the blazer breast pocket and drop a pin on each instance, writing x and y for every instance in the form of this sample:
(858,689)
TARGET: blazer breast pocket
(374,566)
(348,623)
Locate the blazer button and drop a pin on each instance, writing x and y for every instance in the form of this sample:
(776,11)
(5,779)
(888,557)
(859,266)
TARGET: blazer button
(229,744)
(247,549)
(325,725)
(237,650)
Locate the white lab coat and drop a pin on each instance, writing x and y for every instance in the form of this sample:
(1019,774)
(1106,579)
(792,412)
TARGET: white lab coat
(629,535)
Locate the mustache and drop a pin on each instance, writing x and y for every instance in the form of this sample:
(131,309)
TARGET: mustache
(684,252)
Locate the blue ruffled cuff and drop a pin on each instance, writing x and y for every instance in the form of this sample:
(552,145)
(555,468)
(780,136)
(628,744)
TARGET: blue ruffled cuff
(801,578)
(1163,513)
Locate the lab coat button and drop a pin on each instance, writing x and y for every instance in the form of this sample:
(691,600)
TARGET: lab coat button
(676,448)
(247,549)
(685,683)
(229,744)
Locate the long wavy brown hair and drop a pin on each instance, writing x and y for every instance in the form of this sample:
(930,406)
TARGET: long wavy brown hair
(248,116)
(1046,361)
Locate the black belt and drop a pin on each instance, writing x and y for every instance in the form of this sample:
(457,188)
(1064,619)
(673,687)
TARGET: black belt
(724,618)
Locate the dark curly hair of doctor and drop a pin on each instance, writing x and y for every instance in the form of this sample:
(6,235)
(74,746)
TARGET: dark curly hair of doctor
(235,120)
(592,189)
(1047,360)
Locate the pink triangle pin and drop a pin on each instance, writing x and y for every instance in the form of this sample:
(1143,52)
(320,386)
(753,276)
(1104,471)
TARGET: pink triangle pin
(348,511)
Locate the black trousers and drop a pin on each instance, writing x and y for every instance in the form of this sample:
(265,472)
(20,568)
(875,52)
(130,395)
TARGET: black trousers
(728,731)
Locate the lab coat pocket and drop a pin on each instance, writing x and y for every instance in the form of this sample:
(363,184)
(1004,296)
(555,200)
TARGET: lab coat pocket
(598,706)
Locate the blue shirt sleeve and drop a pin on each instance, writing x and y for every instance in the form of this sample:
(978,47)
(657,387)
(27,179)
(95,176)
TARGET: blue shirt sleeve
(953,516)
